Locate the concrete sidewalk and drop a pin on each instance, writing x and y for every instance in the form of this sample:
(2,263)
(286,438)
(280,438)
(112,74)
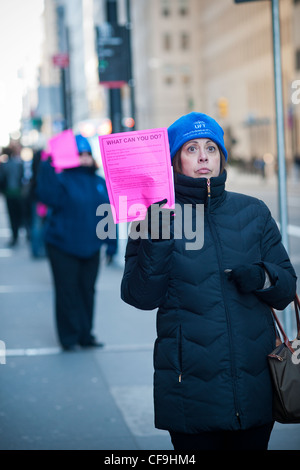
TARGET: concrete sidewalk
(94,399)
(91,400)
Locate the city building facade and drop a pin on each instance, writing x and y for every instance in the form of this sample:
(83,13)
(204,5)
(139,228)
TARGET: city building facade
(213,56)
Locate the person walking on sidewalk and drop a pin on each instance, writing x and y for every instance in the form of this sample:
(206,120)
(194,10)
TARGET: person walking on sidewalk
(11,175)
(73,247)
(212,387)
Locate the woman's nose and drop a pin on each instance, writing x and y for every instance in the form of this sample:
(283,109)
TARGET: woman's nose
(202,156)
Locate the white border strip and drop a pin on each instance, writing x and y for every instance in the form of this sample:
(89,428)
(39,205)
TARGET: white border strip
(57,350)
(294,230)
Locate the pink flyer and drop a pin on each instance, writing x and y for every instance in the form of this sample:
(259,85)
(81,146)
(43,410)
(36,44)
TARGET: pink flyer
(138,172)
(64,150)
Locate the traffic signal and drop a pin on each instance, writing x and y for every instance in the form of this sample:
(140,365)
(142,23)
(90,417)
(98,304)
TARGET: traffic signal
(113,50)
(128,122)
(36,123)
(223,107)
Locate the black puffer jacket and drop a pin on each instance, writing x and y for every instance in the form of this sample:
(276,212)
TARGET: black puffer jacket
(210,356)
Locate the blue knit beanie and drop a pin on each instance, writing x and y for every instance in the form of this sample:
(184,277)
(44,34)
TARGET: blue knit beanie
(83,144)
(195,126)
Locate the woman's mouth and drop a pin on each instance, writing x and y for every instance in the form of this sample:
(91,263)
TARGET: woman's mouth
(203,171)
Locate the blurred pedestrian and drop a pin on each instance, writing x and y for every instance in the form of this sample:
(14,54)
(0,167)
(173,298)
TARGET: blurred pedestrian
(212,387)
(26,192)
(11,174)
(260,167)
(38,212)
(72,197)
(297,165)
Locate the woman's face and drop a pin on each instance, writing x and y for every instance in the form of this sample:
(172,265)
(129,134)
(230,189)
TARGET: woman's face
(86,159)
(200,158)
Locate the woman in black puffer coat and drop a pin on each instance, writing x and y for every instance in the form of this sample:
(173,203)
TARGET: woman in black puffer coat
(212,388)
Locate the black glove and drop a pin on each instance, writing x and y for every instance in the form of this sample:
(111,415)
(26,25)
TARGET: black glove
(160,221)
(248,277)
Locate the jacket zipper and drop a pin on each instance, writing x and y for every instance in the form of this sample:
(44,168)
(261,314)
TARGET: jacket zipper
(180,354)
(208,194)
(216,239)
(208,187)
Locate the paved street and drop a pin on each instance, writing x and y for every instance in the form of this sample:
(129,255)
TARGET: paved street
(100,399)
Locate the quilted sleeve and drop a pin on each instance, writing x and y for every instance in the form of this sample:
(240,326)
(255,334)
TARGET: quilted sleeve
(146,274)
(49,190)
(277,263)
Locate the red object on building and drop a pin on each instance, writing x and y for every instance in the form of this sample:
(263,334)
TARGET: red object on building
(61,60)
(113,84)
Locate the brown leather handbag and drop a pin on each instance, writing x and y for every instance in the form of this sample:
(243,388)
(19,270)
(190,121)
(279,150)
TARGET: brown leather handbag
(284,364)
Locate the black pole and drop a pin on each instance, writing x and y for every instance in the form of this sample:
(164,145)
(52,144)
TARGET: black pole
(114,93)
(65,80)
(111,11)
(131,82)
(63,97)
(68,84)
(60,12)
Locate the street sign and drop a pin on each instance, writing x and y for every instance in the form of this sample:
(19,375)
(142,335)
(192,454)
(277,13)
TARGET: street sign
(113,55)
(61,60)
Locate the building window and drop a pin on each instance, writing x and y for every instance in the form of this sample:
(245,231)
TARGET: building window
(186,79)
(168,80)
(167,42)
(166,11)
(184,41)
(165,8)
(298,59)
(186,75)
(183,7)
(168,74)
(183,11)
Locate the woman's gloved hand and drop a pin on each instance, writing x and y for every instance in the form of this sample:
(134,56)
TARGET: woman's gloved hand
(160,221)
(248,277)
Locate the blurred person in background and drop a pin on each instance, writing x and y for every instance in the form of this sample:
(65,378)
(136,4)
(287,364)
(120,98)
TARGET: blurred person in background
(38,212)
(212,385)
(11,176)
(72,197)
(297,165)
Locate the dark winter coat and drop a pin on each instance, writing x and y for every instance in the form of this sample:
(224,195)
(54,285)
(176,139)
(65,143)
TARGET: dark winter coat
(11,175)
(210,356)
(73,197)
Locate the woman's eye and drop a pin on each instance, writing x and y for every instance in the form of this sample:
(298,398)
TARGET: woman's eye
(192,148)
(211,148)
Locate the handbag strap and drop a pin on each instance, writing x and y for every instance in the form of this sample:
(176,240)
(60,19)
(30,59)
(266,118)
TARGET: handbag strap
(280,327)
(297,313)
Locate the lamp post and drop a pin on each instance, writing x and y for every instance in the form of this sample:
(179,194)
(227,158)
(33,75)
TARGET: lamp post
(131,82)
(280,124)
(282,189)
(115,101)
